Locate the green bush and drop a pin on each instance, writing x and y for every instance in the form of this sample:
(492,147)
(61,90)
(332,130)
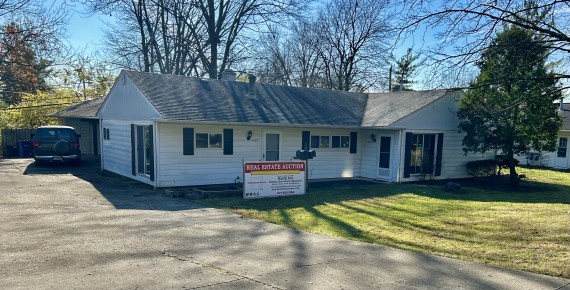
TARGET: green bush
(482,168)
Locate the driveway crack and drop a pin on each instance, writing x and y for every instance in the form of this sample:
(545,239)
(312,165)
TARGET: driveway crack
(308,265)
(181,258)
(567,284)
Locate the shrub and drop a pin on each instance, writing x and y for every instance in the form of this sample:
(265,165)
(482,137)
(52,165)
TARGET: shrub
(482,168)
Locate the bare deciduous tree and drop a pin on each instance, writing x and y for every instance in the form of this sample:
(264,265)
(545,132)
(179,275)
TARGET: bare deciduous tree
(464,28)
(290,56)
(185,36)
(343,48)
(354,36)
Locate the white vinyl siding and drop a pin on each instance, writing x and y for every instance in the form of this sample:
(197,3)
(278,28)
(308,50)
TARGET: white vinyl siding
(213,167)
(371,150)
(116,155)
(439,115)
(126,102)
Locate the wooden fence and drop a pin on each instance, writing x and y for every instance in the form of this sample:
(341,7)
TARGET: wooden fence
(11,142)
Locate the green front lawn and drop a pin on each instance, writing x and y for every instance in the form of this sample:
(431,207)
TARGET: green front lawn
(526,229)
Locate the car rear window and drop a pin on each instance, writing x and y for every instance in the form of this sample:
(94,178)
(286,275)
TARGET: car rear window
(46,134)
(65,135)
(55,134)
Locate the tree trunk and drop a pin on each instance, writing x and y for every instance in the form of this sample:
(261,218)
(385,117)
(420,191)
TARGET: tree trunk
(513,176)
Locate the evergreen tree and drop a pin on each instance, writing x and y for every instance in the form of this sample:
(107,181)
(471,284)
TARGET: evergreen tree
(405,69)
(509,108)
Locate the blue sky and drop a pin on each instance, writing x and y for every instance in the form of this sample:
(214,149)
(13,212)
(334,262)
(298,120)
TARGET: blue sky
(84,31)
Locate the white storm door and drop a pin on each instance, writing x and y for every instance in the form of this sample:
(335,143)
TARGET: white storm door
(561,154)
(272,148)
(385,157)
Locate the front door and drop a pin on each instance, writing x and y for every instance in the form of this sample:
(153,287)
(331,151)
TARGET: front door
(561,154)
(272,151)
(384,157)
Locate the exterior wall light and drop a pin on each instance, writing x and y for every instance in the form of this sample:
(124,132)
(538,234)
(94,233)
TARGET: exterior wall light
(249,134)
(372,137)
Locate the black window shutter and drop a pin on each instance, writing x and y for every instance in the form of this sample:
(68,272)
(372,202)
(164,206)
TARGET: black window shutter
(353,137)
(408,154)
(188,141)
(439,154)
(228,141)
(133,149)
(151,151)
(305,140)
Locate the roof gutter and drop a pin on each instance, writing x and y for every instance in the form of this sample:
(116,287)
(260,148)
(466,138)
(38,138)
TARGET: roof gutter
(273,124)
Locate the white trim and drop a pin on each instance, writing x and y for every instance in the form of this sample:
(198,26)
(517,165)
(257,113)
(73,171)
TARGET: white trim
(561,162)
(101,145)
(389,169)
(155,148)
(264,144)
(209,133)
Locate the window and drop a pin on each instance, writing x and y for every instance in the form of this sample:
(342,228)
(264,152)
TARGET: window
(385,144)
(326,141)
(208,140)
(422,154)
(562,147)
(340,142)
(106,135)
(315,141)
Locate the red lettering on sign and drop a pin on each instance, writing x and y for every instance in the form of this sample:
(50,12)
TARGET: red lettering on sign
(271,166)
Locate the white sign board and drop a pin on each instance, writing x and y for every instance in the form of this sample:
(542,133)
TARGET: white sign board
(268,179)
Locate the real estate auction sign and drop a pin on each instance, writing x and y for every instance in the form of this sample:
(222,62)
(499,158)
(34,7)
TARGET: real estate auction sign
(268,179)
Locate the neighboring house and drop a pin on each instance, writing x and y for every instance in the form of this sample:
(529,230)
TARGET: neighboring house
(83,118)
(560,158)
(167,130)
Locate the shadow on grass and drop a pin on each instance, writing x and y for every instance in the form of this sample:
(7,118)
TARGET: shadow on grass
(338,191)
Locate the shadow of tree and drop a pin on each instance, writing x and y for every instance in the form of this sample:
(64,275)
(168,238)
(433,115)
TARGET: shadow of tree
(121,192)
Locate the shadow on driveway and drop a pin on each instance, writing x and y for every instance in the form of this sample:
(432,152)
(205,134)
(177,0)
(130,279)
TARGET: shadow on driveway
(121,192)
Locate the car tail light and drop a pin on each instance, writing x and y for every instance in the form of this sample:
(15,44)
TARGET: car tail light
(36,144)
(75,144)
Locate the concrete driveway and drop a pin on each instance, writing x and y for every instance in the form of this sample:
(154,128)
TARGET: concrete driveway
(70,227)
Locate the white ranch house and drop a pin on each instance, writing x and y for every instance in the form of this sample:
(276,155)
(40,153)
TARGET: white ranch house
(167,130)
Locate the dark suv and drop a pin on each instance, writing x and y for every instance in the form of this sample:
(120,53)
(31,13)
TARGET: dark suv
(56,144)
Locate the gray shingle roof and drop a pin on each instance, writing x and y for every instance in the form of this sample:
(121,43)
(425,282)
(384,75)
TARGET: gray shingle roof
(383,109)
(86,109)
(205,100)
